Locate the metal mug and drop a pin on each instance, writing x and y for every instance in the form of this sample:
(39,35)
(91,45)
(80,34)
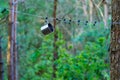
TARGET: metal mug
(47,29)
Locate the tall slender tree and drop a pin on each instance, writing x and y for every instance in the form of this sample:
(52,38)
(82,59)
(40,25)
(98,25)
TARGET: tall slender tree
(12,52)
(55,53)
(91,10)
(115,42)
(105,13)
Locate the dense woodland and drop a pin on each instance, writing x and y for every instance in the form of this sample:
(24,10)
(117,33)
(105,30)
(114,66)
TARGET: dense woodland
(78,49)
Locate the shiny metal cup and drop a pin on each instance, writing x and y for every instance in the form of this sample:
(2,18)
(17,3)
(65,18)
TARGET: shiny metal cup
(47,29)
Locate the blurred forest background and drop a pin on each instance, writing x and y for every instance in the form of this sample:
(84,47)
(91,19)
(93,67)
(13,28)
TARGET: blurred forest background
(82,48)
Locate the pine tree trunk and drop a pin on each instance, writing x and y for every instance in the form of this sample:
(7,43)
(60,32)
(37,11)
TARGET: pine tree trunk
(115,42)
(55,53)
(12,52)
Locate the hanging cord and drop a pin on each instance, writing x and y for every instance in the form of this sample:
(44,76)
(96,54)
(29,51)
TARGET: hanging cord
(64,20)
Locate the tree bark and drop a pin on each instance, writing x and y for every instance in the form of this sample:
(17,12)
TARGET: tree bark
(115,42)
(105,13)
(14,44)
(55,53)
(12,52)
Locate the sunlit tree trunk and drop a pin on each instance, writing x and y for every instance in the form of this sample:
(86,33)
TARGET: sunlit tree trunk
(115,42)
(12,52)
(105,14)
(91,10)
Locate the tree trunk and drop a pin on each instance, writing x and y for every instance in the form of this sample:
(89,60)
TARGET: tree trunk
(12,52)
(91,10)
(55,53)
(115,42)
(1,62)
(14,43)
(105,13)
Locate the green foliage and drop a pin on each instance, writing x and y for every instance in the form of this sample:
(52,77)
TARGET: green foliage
(90,61)
(89,64)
